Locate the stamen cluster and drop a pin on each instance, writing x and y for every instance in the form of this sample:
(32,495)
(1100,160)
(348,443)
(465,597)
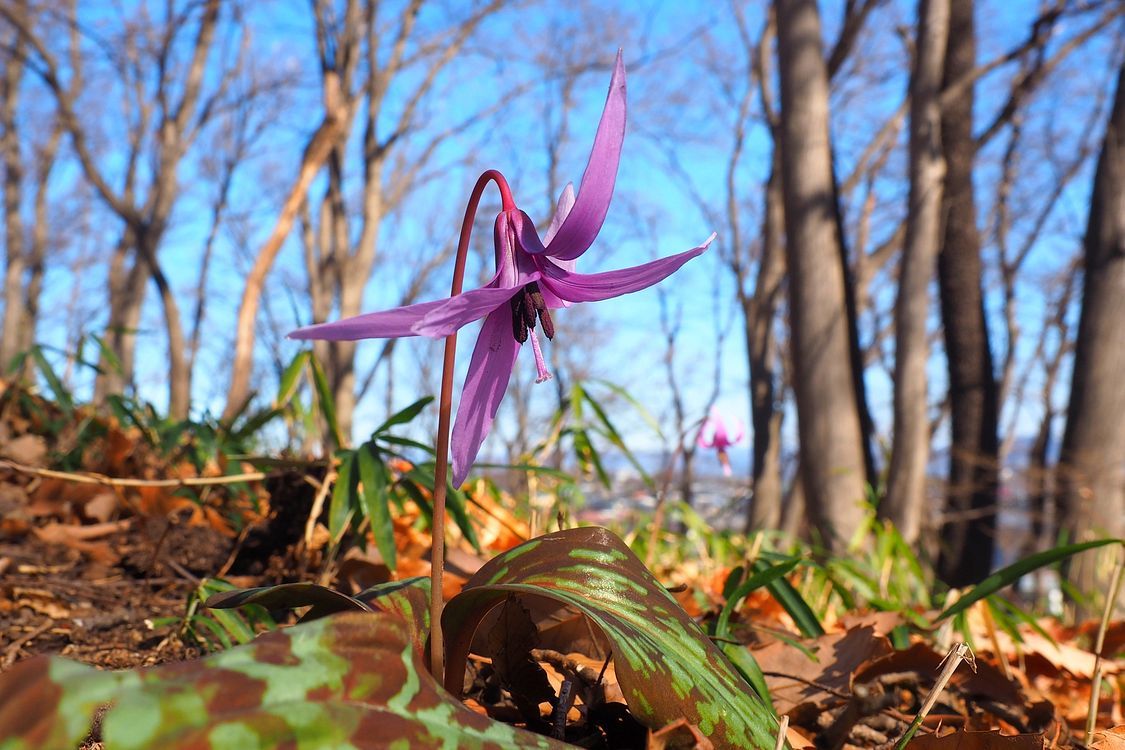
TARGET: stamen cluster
(526,305)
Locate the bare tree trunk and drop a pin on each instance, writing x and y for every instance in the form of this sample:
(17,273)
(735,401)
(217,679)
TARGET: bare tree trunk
(15,263)
(832,462)
(761,347)
(316,152)
(1093,451)
(906,482)
(127,283)
(968,535)
(179,373)
(176,126)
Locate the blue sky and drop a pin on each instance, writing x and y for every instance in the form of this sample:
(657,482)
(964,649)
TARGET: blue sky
(676,55)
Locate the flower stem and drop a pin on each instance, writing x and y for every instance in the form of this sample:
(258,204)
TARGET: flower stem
(445,409)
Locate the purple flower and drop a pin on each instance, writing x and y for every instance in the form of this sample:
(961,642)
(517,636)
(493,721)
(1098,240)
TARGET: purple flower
(713,434)
(533,277)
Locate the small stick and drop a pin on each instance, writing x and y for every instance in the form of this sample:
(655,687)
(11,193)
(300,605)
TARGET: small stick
(14,648)
(960,652)
(782,729)
(1096,685)
(92,478)
(318,505)
(562,708)
(990,626)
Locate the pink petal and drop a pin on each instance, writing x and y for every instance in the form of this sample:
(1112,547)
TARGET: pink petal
(579,287)
(465,308)
(523,228)
(487,379)
(385,324)
(585,219)
(562,210)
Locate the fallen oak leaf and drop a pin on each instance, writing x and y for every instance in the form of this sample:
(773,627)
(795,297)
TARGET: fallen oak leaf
(1110,739)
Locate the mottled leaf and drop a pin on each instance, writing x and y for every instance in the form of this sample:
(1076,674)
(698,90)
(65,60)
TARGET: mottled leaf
(322,600)
(667,667)
(409,599)
(353,680)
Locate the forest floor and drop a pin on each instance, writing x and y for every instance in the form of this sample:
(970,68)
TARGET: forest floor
(105,573)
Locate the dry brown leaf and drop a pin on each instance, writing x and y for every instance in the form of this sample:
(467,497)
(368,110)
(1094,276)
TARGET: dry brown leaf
(1114,643)
(570,631)
(30,450)
(962,740)
(81,538)
(679,734)
(882,622)
(510,642)
(101,507)
(838,655)
(1061,654)
(1110,739)
(925,661)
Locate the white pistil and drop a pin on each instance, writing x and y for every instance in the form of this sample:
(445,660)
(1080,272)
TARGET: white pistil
(540,364)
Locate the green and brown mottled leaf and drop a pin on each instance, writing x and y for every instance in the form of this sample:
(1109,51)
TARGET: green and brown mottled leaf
(667,666)
(408,598)
(352,680)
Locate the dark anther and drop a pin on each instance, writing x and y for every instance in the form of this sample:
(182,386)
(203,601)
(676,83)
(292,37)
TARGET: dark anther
(528,307)
(527,304)
(519,325)
(546,323)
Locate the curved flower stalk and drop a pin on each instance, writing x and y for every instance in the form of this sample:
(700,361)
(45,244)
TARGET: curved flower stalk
(533,277)
(713,434)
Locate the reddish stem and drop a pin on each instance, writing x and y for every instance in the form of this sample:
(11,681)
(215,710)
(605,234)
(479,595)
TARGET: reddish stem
(445,409)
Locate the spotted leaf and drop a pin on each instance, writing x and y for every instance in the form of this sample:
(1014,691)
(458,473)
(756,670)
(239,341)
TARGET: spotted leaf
(349,681)
(667,666)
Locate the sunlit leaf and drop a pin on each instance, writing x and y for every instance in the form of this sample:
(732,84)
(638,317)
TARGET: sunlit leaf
(762,576)
(793,603)
(344,491)
(1012,573)
(667,667)
(62,394)
(326,401)
(405,415)
(287,386)
(374,501)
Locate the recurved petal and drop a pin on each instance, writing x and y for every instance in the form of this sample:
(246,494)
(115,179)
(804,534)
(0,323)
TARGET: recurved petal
(487,379)
(585,218)
(385,324)
(524,230)
(581,287)
(467,307)
(562,210)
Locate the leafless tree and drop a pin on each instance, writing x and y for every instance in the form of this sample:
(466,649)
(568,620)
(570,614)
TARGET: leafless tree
(26,249)
(968,533)
(906,481)
(164,116)
(1092,464)
(832,461)
(368,62)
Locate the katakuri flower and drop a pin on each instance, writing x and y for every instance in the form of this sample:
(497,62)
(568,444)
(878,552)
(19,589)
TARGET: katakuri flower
(533,277)
(713,434)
